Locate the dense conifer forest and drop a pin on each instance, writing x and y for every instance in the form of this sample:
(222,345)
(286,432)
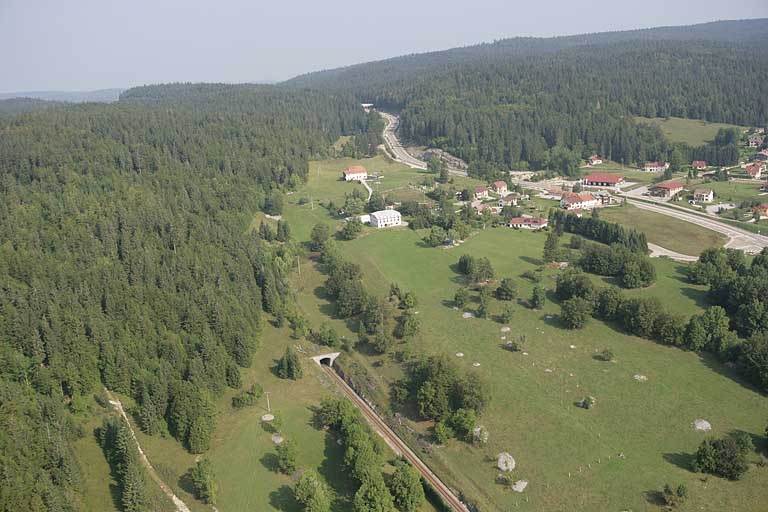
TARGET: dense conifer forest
(541,103)
(125,261)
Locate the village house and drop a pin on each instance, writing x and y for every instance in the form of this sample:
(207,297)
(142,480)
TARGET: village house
(481,192)
(481,207)
(595,160)
(603,197)
(528,222)
(386,218)
(755,170)
(656,166)
(699,165)
(703,195)
(355,173)
(509,200)
(573,201)
(597,179)
(666,189)
(500,187)
(755,141)
(762,210)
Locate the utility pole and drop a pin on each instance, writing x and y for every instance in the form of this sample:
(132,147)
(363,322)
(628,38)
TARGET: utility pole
(298,265)
(267,394)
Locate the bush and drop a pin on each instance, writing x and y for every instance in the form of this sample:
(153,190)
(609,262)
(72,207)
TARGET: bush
(674,497)
(575,312)
(606,355)
(726,457)
(248,397)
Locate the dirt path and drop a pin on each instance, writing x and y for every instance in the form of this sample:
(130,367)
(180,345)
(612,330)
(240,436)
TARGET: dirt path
(657,250)
(398,445)
(180,505)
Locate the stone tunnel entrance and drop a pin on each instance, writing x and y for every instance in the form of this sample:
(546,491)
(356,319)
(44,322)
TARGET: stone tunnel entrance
(326,359)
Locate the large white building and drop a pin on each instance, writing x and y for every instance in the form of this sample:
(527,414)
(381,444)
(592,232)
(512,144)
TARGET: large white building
(355,173)
(386,218)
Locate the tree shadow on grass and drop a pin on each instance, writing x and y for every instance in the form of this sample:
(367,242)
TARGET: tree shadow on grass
(698,296)
(533,261)
(732,372)
(681,460)
(334,473)
(283,499)
(269,460)
(654,497)
(186,484)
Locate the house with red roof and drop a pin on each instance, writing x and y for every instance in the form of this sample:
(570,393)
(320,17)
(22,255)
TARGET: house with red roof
(574,201)
(595,160)
(599,179)
(500,187)
(481,192)
(666,189)
(703,195)
(509,200)
(528,222)
(355,173)
(699,165)
(755,170)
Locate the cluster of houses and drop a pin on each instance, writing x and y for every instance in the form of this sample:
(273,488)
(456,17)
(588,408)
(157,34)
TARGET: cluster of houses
(755,170)
(755,140)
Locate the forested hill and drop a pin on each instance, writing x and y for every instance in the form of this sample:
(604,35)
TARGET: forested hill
(744,32)
(125,262)
(547,103)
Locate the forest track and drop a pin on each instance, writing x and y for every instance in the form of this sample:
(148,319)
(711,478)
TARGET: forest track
(180,505)
(398,445)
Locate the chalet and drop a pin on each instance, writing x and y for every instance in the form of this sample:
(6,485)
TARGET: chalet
(500,187)
(666,189)
(509,200)
(595,160)
(699,165)
(386,218)
(656,166)
(762,209)
(755,141)
(481,192)
(703,195)
(755,170)
(528,222)
(355,173)
(573,201)
(597,179)
(482,207)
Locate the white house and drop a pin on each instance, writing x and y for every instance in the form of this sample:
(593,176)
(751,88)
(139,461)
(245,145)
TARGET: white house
(481,192)
(656,166)
(595,160)
(386,218)
(573,201)
(509,200)
(355,173)
(703,195)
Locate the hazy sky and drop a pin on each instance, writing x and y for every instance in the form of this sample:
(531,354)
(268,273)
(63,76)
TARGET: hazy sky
(91,44)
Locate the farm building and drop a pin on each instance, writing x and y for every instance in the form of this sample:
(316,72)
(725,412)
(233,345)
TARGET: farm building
(666,189)
(703,195)
(655,166)
(597,179)
(528,222)
(481,192)
(386,218)
(355,173)
(573,201)
(500,187)
(699,165)
(595,160)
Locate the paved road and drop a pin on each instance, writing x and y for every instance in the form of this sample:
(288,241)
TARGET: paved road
(739,238)
(180,505)
(397,444)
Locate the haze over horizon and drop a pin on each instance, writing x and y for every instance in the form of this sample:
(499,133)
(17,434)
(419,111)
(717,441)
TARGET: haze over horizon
(87,44)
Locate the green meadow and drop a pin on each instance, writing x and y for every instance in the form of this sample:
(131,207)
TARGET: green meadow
(691,131)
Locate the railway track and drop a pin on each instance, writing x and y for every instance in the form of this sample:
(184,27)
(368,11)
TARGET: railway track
(398,445)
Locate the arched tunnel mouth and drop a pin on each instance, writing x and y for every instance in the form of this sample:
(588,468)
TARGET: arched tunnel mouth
(326,361)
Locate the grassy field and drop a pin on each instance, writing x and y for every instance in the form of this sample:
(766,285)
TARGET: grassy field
(691,131)
(673,234)
(533,414)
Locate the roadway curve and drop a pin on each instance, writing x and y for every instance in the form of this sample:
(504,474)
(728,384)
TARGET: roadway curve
(398,445)
(739,238)
(398,152)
